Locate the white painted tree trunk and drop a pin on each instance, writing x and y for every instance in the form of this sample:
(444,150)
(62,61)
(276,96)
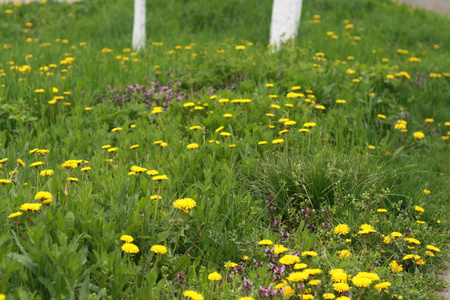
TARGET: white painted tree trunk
(139,25)
(285,20)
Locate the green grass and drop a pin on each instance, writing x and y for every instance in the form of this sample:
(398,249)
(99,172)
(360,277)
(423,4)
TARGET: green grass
(244,191)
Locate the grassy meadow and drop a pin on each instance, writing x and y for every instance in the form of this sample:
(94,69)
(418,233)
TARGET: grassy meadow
(209,166)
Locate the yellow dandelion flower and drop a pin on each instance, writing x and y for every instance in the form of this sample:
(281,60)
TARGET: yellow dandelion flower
(419,209)
(289,259)
(309,253)
(341,287)
(341,229)
(30,206)
(300,266)
(230,265)
(45,197)
(344,254)
(314,282)
(297,276)
(36,164)
(15,215)
(310,124)
(382,286)
(159,249)
(130,248)
(46,172)
(395,267)
(20,162)
(215,276)
(265,242)
(192,146)
(277,141)
(160,177)
(127,238)
(152,172)
(277,249)
(420,262)
(361,281)
(288,291)
(366,228)
(193,295)
(433,248)
(418,135)
(185,204)
(138,169)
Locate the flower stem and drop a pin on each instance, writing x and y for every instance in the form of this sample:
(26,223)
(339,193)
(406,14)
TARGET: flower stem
(179,233)
(37,179)
(157,259)
(360,295)
(212,290)
(198,234)
(179,212)
(157,198)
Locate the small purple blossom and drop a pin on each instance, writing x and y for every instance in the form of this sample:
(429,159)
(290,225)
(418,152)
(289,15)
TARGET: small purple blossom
(284,235)
(266,292)
(247,285)
(258,263)
(180,278)
(268,252)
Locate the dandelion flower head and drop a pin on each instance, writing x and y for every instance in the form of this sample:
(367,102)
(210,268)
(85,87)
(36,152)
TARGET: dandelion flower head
(193,295)
(159,249)
(341,229)
(215,276)
(130,248)
(127,238)
(289,259)
(265,242)
(185,204)
(30,206)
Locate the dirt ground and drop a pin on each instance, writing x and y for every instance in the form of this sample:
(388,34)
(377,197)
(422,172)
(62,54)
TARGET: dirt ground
(438,5)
